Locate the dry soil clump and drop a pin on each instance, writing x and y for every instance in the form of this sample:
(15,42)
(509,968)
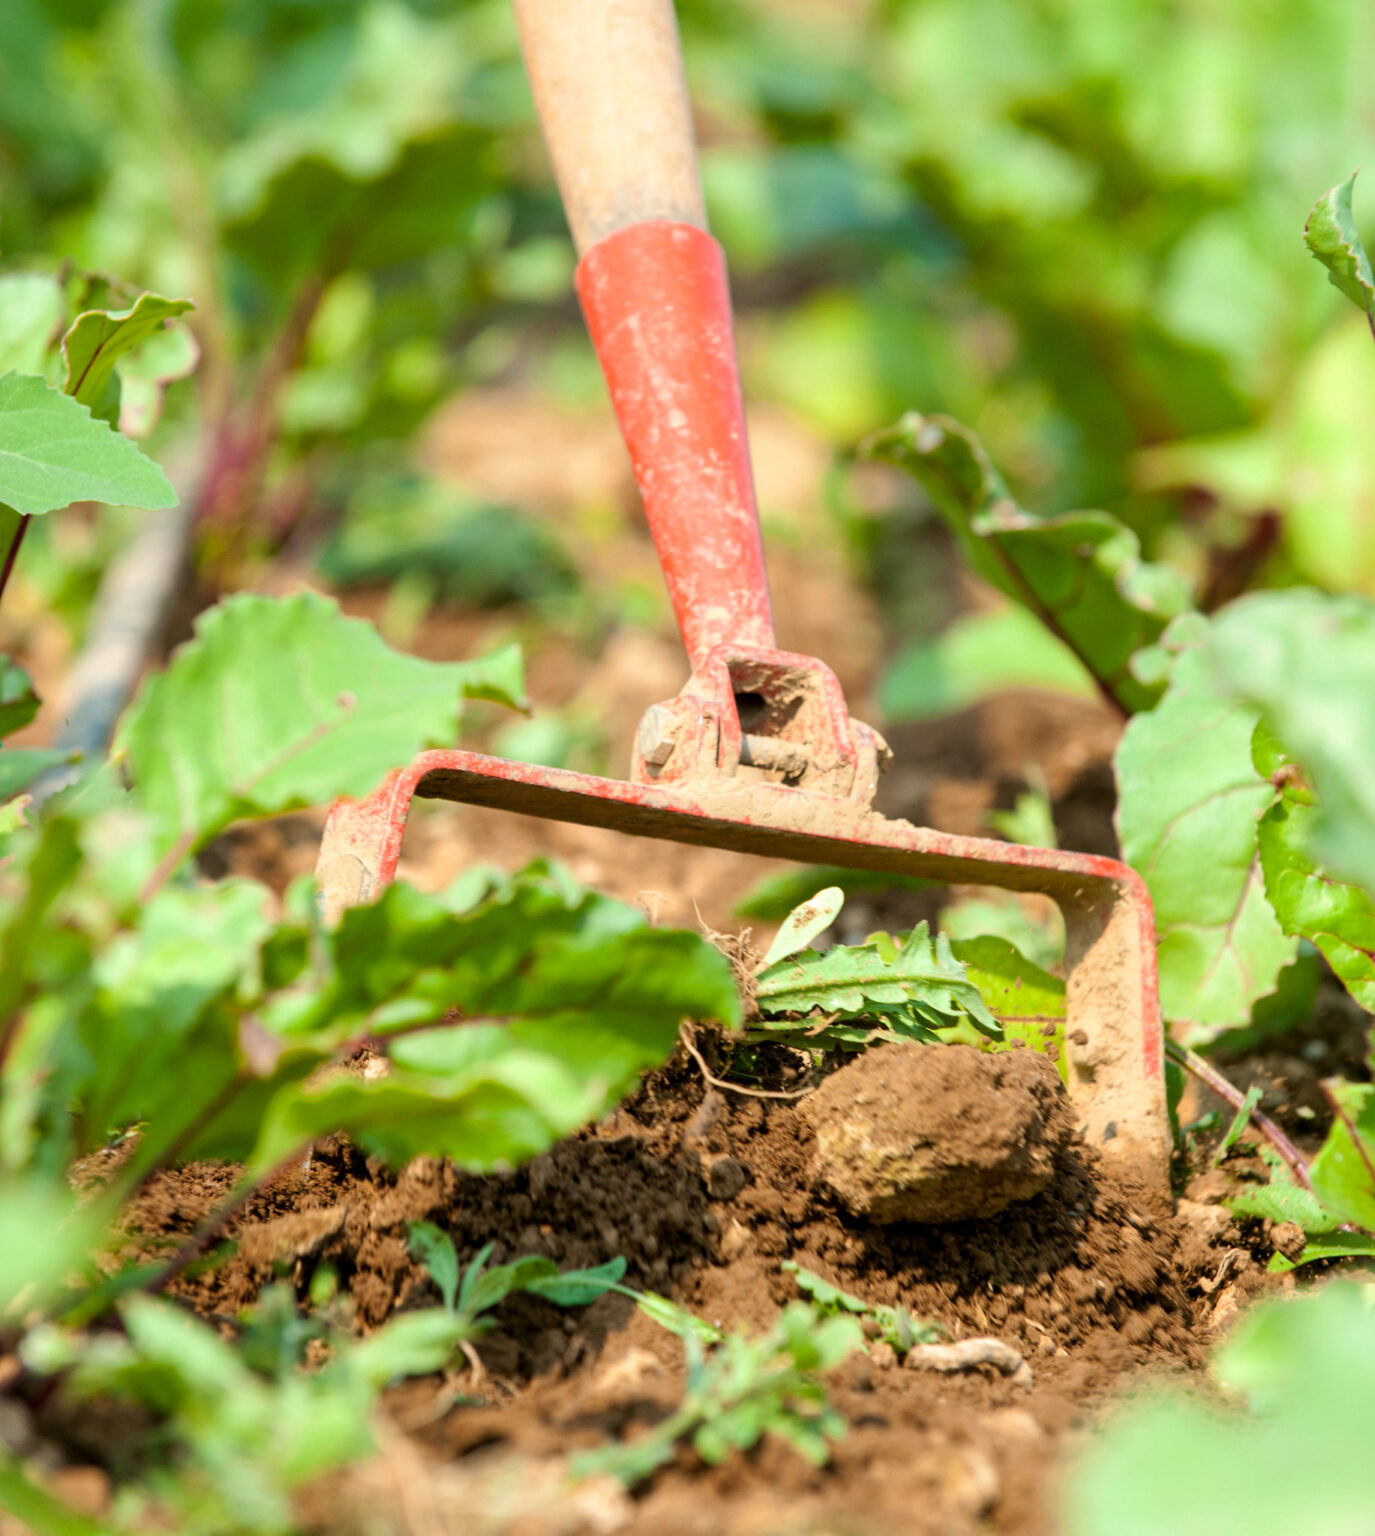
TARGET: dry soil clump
(908,1133)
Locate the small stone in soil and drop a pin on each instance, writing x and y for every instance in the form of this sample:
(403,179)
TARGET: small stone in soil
(938,1133)
(726,1178)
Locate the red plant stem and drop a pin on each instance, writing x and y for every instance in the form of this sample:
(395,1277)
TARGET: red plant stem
(210,1229)
(13,555)
(1210,1077)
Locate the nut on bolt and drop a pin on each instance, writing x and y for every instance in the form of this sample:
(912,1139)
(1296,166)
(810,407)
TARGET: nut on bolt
(657,735)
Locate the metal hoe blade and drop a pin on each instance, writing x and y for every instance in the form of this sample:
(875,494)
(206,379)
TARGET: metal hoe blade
(758,752)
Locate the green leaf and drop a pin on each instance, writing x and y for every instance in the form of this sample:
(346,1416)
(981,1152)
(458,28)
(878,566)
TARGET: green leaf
(587,996)
(1343,1172)
(916,978)
(1284,1199)
(979,654)
(804,923)
(1188,802)
(1330,234)
(1023,998)
(99,338)
(677,1320)
(35,1509)
(578,1287)
(435,1250)
(280,703)
(1338,918)
(32,1273)
(1307,662)
(18,701)
(155,1048)
(1080,573)
(20,766)
(54,452)
(30,311)
(1294,1463)
(398,82)
(494,1114)
(1342,1245)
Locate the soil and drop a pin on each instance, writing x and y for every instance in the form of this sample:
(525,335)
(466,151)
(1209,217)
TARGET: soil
(705,1194)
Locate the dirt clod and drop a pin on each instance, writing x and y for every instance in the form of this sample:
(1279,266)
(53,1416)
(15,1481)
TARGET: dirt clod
(911,1133)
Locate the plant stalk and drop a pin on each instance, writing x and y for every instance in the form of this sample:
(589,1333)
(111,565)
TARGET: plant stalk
(13,554)
(1211,1078)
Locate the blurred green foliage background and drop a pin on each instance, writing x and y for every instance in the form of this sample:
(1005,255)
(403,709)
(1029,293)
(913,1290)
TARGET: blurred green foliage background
(1074,224)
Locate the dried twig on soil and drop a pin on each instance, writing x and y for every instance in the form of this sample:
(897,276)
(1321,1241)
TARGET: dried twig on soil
(967,1355)
(685,1034)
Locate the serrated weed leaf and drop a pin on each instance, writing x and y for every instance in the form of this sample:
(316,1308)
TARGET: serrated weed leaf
(1080,573)
(804,923)
(1188,801)
(277,704)
(1331,236)
(53,452)
(98,339)
(855,980)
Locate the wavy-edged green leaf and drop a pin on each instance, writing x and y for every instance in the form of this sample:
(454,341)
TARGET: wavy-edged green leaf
(98,339)
(144,374)
(280,703)
(54,452)
(1337,917)
(1306,660)
(913,976)
(566,997)
(1343,1172)
(1330,234)
(1080,573)
(18,701)
(30,312)
(1188,802)
(494,1114)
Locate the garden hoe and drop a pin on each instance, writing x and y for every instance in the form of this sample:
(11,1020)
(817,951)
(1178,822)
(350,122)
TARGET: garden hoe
(758,753)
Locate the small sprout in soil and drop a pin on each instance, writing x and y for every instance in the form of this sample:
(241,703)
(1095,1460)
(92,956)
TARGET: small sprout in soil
(742,1390)
(894,1325)
(479,1289)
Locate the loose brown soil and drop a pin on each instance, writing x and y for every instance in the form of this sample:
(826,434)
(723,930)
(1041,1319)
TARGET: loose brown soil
(705,1193)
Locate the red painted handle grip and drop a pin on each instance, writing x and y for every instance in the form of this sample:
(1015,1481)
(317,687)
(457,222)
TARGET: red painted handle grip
(658,308)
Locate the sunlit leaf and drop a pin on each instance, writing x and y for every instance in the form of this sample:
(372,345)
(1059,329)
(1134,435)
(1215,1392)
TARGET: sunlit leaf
(1080,573)
(54,452)
(284,703)
(1188,802)
(1331,235)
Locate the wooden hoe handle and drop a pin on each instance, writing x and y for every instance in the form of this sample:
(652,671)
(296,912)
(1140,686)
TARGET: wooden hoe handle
(607,78)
